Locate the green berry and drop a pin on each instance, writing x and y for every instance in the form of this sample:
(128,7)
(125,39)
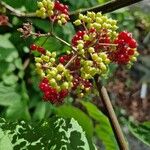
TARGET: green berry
(78,22)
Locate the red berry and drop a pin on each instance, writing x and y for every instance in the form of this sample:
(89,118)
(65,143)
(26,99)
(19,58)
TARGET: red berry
(41,50)
(131,52)
(132,43)
(63,93)
(62,60)
(33,47)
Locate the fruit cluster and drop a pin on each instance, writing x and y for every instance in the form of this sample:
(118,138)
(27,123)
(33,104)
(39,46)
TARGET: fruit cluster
(45,8)
(125,52)
(58,77)
(56,11)
(98,22)
(50,93)
(3,20)
(93,49)
(81,85)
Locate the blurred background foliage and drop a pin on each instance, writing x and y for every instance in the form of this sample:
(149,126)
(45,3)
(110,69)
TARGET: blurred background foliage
(20,97)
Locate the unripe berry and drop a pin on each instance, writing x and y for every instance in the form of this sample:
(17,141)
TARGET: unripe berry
(99,20)
(81,16)
(38,60)
(78,22)
(86,37)
(58,77)
(97,26)
(40,4)
(63,20)
(95,57)
(103,67)
(53,54)
(38,65)
(42,10)
(52,60)
(52,73)
(65,85)
(99,14)
(60,67)
(53,82)
(59,22)
(50,12)
(91,50)
(48,53)
(45,58)
(133,59)
(80,46)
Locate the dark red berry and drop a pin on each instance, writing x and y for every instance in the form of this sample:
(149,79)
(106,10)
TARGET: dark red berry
(130,52)
(132,43)
(33,47)
(62,60)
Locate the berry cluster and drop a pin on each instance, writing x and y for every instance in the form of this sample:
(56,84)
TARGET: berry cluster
(61,13)
(125,52)
(3,20)
(51,94)
(37,48)
(45,8)
(98,22)
(94,48)
(56,11)
(58,77)
(81,85)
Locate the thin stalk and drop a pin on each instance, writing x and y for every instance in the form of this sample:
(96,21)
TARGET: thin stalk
(111,115)
(70,61)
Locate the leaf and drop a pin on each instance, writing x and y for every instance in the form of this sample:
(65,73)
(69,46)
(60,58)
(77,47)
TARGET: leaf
(18,64)
(45,25)
(69,111)
(141,131)
(8,95)
(51,44)
(103,128)
(40,111)
(10,79)
(56,133)
(5,143)
(4,41)
(19,110)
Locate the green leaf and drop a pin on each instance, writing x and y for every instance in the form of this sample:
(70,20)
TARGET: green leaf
(69,111)
(44,25)
(55,133)
(141,131)
(18,63)
(5,142)
(19,110)
(51,44)
(5,42)
(10,79)
(103,128)
(8,95)
(40,111)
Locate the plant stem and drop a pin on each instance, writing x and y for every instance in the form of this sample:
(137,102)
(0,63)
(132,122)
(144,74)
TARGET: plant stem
(106,7)
(111,115)
(16,12)
(70,61)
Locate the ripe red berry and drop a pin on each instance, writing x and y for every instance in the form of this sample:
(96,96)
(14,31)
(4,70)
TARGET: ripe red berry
(33,47)
(3,20)
(132,43)
(41,50)
(130,52)
(62,59)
